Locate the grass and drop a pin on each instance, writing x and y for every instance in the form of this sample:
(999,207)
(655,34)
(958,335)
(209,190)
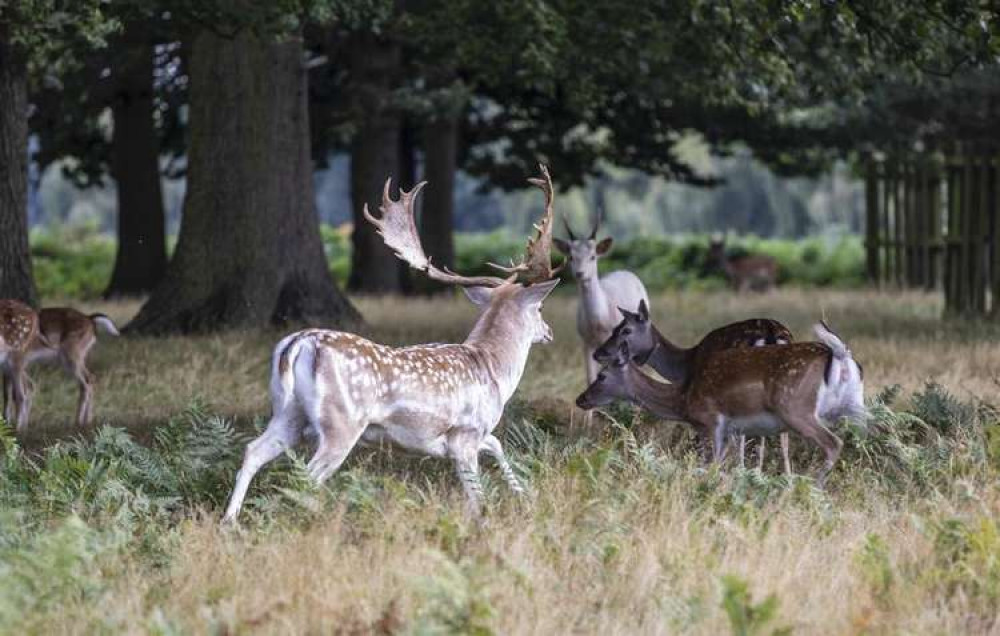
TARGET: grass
(623,532)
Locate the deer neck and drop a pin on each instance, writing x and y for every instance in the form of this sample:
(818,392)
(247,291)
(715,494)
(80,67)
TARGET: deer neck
(659,398)
(595,303)
(503,346)
(669,360)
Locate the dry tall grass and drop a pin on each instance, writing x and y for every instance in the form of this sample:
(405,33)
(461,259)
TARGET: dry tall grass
(620,535)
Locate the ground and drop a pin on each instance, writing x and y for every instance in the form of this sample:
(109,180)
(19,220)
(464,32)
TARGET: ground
(623,532)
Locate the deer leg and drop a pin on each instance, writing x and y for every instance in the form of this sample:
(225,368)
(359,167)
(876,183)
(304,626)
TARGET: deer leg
(590,366)
(491,446)
(720,439)
(784,452)
(8,394)
(809,426)
(338,435)
(21,388)
(464,452)
(761,448)
(85,380)
(743,450)
(283,432)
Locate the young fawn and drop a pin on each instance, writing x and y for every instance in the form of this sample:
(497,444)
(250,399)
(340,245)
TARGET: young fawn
(677,364)
(69,336)
(18,329)
(442,400)
(754,391)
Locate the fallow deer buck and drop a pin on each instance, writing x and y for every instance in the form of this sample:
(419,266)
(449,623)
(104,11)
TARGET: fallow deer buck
(752,390)
(677,364)
(18,328)
(442,400)
(597,312)
(66,338)
(756,272)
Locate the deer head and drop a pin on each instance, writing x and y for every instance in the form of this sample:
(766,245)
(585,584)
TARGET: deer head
(716,255)
(612,382)
(636,331)
(582,253)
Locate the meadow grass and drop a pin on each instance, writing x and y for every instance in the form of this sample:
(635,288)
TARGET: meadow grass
(623,532)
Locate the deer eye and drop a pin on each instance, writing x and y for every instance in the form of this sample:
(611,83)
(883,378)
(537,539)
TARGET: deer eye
(626,331)
(600,377)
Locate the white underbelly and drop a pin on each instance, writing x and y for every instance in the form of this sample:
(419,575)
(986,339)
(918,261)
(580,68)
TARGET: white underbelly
(760,424)
(412,439)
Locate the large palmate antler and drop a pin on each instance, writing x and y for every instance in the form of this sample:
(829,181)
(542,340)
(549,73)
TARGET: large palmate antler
(536,265)
(399,231)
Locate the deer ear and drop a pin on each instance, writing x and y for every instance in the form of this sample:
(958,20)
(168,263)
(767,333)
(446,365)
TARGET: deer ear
(561,245)
(604,246)
(643,310)
(536,293)
(479,295)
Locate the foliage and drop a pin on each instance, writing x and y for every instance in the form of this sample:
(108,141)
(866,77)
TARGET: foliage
(71,265)
(81,516)
(747,618)
(77,264)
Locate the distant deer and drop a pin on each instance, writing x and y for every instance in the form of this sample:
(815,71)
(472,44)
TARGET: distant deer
(442,400)
(600,296)
(753,390)
(66,337)
(18,329)
(756,272)
(677,364)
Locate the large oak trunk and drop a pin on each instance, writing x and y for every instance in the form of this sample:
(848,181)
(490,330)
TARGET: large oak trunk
(374,156)
(15,257)
(249,252)
(142,252)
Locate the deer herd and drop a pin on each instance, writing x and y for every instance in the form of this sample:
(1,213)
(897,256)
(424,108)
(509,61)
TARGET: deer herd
(747,378)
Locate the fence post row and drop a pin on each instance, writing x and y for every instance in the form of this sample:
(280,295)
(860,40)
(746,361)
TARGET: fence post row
(933,222)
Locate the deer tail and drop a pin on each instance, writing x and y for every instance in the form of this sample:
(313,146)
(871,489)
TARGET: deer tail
(105,324)
(283,372)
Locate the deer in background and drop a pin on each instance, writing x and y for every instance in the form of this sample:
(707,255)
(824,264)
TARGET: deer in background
(66,337)
(442,400)
(678,364)
(752,390)
(18,329)
(756,272)
(597,312)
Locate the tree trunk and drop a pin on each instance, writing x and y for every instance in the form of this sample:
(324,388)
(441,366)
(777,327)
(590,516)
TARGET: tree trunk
(437,219)
(135,164)
(374,157)
(249,252)
(16,280)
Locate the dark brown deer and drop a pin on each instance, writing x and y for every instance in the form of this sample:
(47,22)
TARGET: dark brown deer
(442,400)
(753,390)
(755,272)
(677,364)
(18,329)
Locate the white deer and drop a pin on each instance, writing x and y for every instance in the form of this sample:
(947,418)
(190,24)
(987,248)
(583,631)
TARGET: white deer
(597,313)
(442,400)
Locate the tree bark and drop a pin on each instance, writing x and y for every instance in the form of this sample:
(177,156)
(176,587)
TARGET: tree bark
(374,157)
(141,259)
(249,252)
(16,280)
(437,220)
